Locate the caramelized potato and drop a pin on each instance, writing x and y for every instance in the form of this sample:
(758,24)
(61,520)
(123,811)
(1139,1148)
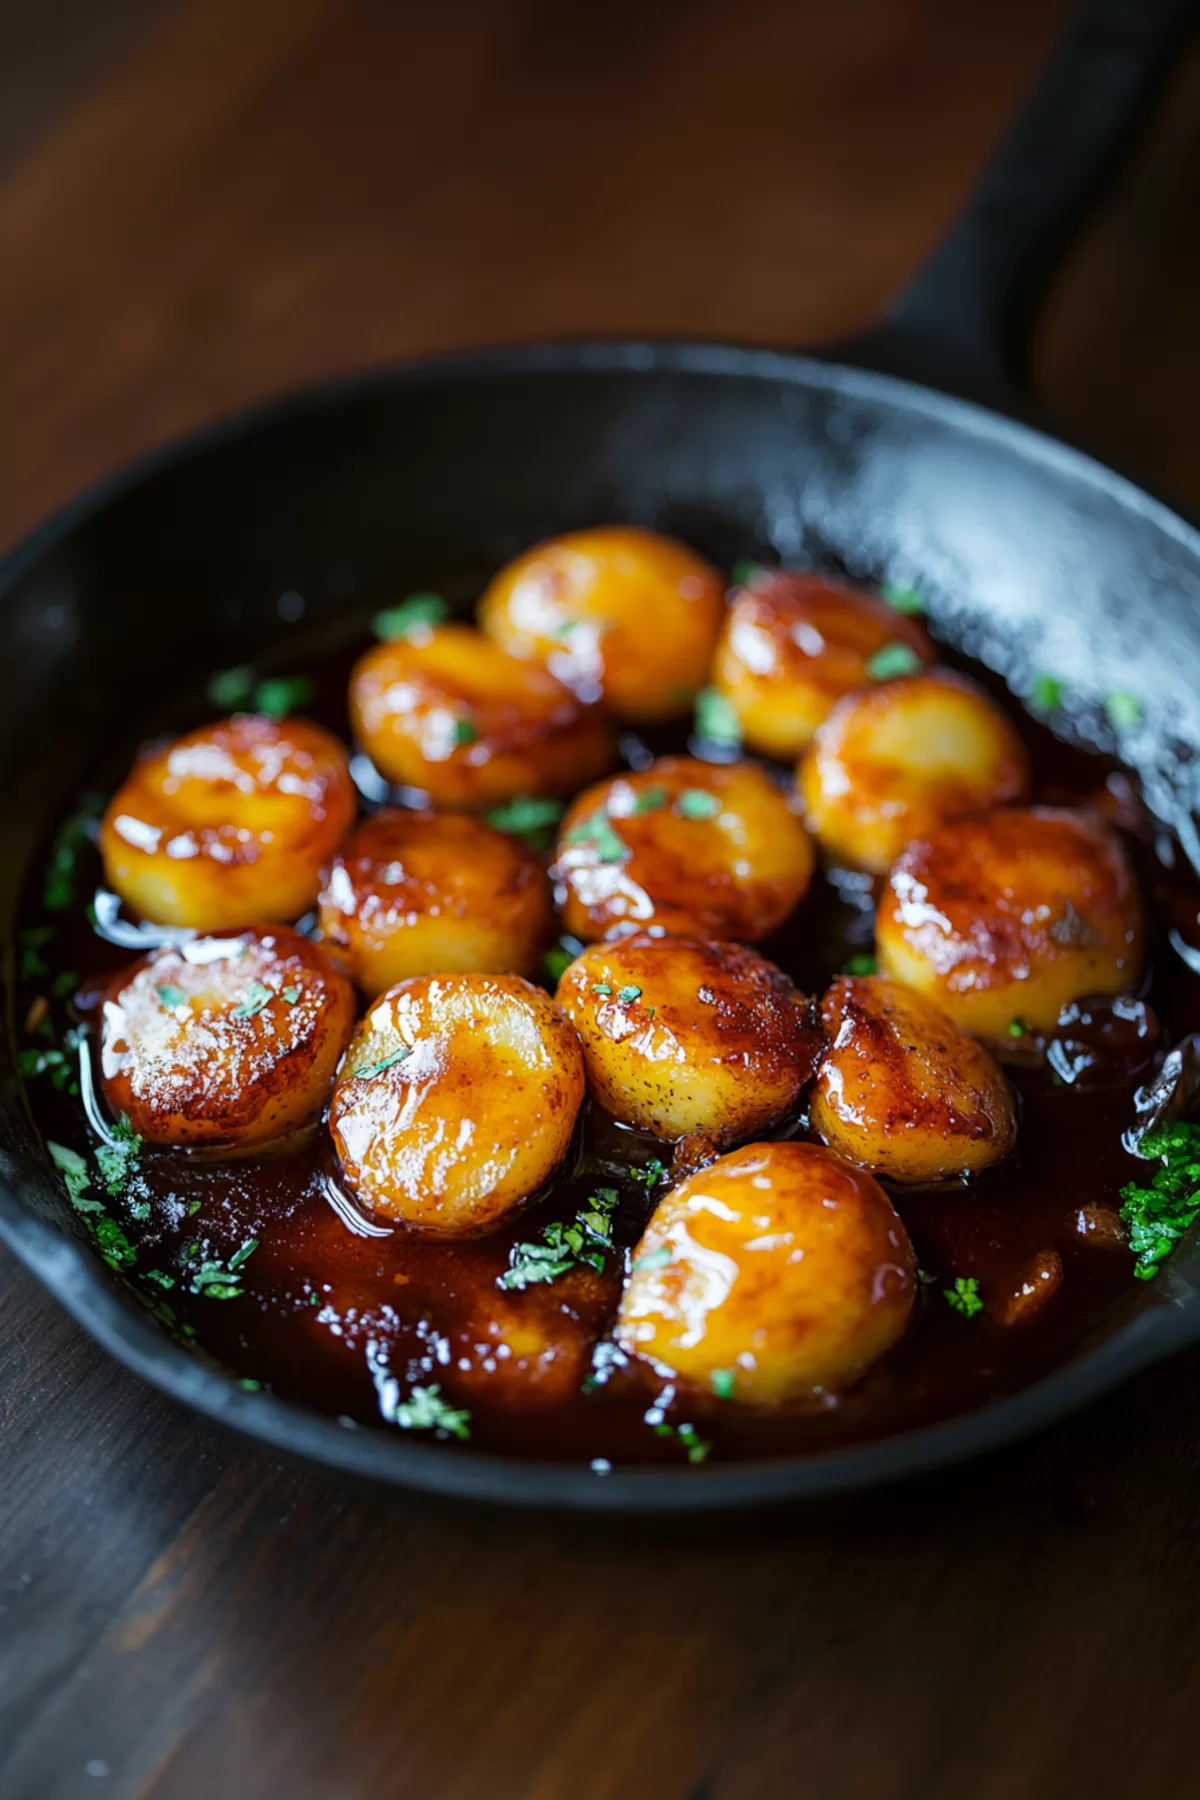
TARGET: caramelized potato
(777,1274)
(682,1036)
(1004,917)
(414,893)
(456,1101)
(902,1091)
(449,712)
(615,612)
(229,824)
(226,1043)
(700,849)
(792,645)
(891,761)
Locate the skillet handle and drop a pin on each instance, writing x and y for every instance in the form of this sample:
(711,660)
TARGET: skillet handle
(966,320)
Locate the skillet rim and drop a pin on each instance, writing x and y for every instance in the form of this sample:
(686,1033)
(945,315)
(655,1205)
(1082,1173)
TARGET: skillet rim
(71,1271)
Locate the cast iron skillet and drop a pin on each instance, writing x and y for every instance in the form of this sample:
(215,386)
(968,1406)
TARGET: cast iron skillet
(1033,555)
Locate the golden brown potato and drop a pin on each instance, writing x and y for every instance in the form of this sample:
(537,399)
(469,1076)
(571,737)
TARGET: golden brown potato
(226,1043)
(446,710)
(229,824)
(902,1091)
(416,893)
(682,1036)
(1004,917)
(777,1274)
(792,645)
(615,612)
(694,848)
(891,761)
(456,1101)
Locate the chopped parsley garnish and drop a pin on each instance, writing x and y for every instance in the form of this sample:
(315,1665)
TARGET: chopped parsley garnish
(171,996)
(59,890)
(587,1240)
(742,573)
(893,660)
(863,964)
(112,1244)
(964,1296)
(697,1447)
(54,1063)
(654,1259)
(603,988)
(1018,1028)
(64,983)
(908,600)
(529,817)
(212,1278)
(281,695)
(425,1410)
(117,1160)
(398,621)
(33,942)
(652,1174)
(464,732)
(257,995)
(74,1171)
(1046,693)
(925,1278)
(716,722)
(1160,1214)
(597,830)
(723,1383)
(385,1062)
(560,956)
(291,995)
(650,799)
(1124,711)
(232,689)
(697,803)
(627,995)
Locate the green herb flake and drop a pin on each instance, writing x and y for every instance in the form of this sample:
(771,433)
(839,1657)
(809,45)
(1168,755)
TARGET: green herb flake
(291,995)
(650,799)
(651,1174)
(585,1242)
(257,995)
(528,817)
(1047,693)
(716,723)
(249,1385)
(925,1278)
(697,1447)
(603,988)
(697,803)
(171,996)
(112,1243)
(401,620)
(32,943)
(281,695)
(653,1259)
(65,983)
(860,965)
(1158,1215)
(58,892)
(724,1382)
(464,732)
(559,957)
(1018,1028)
(964,1296)
(117,1161)
(743,573)
(385,1062)
(627,995)
(74,1171)
(232,690)
(597,831)
(907,600)
(425,1410)
(214,1280)
(1124,711)
(891,661)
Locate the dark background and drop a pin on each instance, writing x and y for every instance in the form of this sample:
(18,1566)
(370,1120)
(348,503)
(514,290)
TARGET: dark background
(203,201)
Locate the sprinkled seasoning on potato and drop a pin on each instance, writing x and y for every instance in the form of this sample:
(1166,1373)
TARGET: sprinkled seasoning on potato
(228,824)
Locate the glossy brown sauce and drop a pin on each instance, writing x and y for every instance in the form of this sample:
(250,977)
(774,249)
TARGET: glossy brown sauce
(346,1322)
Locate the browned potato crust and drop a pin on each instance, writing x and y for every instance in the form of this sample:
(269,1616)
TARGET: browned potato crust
(890,762)
(616,612)
(695,848)
(792,645)
(456,1101)
(229,1042)
(229,824)
(1004,917)
(684,1036)
(777,1274)
(414,893)
(449,712)
(902,1091)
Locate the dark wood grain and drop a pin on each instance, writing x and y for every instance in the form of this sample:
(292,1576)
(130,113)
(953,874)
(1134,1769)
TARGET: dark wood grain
(218,201)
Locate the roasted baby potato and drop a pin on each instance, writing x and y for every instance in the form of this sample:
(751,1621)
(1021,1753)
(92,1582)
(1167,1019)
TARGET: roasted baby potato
(229,824)
(456,1101)
(891,761)
(696,848)
(682,1036)
(777,1274)
(792,645)
(617,613)
(413,893)
(448,711)
(1004,917)
(227,1043)
(902,1091)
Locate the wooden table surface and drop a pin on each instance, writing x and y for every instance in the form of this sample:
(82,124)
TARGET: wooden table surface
(205,201)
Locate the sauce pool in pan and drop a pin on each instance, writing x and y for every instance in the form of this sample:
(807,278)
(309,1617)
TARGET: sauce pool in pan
(265,1258)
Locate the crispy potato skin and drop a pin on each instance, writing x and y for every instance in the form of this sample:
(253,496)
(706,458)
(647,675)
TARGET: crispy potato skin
(786,1266)
(416,893)
(793,645)
(448,711)
(477,1114)
(736,874)
(213,1069)
(902,1091)
(229,824)
(1004,917)
(682,1035)
(891,761)
(616,612)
